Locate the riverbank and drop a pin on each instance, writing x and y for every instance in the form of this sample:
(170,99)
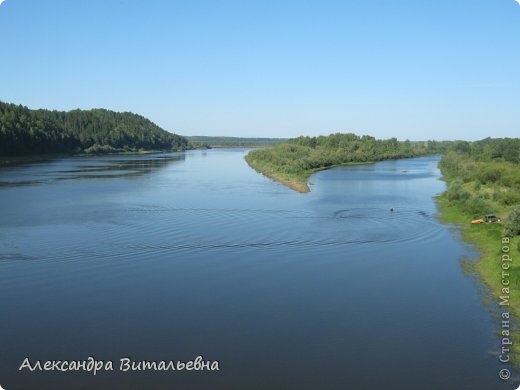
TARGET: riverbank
(297,183)
(487,239)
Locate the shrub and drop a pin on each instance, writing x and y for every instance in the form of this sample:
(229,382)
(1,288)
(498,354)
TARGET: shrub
(456,193)
(490,174)
(508,198)
(100,149)
(512,225)
(477,206)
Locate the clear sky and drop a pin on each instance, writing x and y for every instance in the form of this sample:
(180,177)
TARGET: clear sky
(441,69)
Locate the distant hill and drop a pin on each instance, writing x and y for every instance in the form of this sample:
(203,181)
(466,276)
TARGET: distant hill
(24,131)
(215,142)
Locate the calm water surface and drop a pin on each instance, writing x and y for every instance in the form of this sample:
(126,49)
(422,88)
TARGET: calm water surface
(170,256)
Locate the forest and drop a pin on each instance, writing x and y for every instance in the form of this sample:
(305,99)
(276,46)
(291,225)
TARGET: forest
(26,132)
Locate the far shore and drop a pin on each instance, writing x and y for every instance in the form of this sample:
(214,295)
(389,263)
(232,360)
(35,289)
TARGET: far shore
(230,147)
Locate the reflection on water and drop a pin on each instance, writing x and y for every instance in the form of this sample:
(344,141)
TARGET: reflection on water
(169,256)
(117,166)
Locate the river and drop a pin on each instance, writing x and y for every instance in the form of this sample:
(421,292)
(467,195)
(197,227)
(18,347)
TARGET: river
(171,256)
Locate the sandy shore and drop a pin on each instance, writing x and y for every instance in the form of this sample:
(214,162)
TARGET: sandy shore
(294,185)
(301,187)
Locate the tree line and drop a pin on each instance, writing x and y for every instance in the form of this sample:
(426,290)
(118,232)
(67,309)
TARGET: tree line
(24,131)
(198,141)
(298,157)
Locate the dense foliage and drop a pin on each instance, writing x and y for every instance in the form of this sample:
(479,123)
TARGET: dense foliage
(484,175)
(512,226)
(298,157)
(25,131)
(210,142)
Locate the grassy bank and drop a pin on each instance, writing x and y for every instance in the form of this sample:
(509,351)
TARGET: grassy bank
(487,238)
(297,182)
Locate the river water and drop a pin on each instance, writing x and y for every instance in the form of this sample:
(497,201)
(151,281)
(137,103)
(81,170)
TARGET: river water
(171,256)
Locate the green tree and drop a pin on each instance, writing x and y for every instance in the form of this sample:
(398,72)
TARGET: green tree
(512,225)
(25,131)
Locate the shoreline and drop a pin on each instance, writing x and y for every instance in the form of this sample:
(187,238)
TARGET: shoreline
(486,238)
(296,185)
(299,184)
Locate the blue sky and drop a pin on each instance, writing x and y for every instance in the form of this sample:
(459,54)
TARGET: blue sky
(419,69)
